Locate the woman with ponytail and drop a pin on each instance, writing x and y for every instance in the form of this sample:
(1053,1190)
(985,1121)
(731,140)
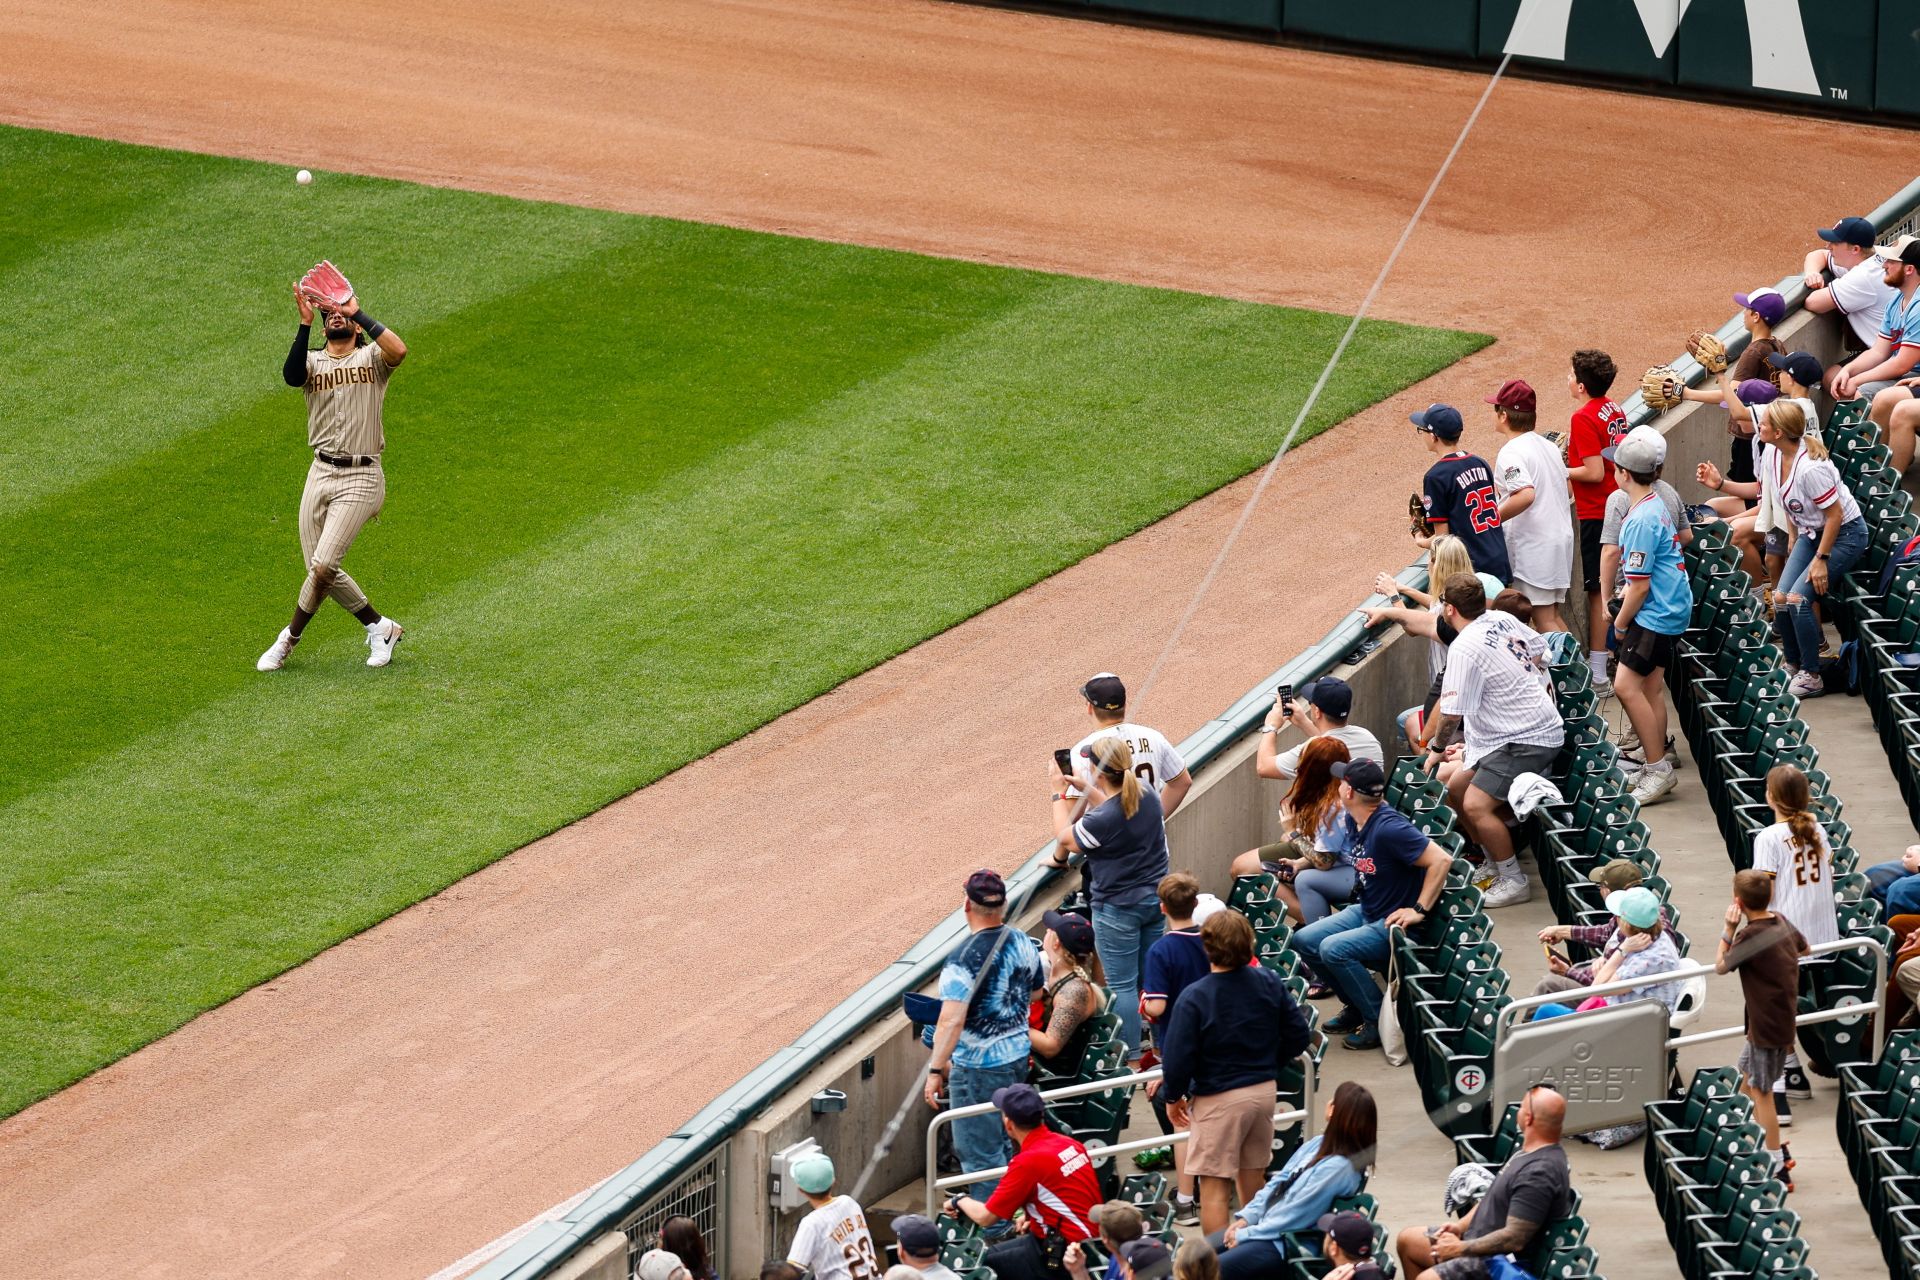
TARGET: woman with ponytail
(1795,852)
(1831,537)
(1119,830)
(1061,1022)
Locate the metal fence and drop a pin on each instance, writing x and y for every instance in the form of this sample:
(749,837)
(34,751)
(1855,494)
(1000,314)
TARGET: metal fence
(700,1194)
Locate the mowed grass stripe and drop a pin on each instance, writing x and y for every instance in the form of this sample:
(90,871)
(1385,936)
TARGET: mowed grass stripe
(638,506)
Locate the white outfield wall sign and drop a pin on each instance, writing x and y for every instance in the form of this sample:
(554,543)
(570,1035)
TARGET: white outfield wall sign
(1782,59)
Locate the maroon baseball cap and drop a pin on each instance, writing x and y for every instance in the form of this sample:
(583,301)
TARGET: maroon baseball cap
(1515,394)
(986,889)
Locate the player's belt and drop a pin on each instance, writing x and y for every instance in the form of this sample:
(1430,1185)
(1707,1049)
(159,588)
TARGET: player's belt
(351,460)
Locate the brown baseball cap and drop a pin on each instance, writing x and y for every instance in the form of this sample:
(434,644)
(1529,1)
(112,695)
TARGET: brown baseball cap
(1515,394)
(1119,1220)
(1621,873)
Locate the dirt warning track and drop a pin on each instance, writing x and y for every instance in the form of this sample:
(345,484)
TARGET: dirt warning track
(416,1091)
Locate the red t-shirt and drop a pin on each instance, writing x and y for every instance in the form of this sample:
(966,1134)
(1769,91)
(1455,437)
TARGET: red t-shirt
(1598,424)
(1053,1180)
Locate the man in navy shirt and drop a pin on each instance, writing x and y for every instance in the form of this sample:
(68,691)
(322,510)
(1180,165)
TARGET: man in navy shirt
(1401,875)
(1458,494)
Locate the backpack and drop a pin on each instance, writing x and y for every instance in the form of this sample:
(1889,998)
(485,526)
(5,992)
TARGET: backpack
(1842,675)
(1905,555)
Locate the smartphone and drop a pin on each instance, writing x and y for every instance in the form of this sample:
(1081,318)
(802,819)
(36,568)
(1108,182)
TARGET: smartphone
(1285,694)
(1063,760)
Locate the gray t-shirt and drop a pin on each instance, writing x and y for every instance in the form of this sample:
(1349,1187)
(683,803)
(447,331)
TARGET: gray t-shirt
(1533,1186)
(1361,745)
(1617,504)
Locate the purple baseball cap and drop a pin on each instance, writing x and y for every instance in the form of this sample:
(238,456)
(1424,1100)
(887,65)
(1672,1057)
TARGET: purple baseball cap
(1757,391)
(1765,300)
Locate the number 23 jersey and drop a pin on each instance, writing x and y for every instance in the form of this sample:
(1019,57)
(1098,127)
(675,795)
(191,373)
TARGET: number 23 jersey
(834,1244)
(1802,881)
(1459,490)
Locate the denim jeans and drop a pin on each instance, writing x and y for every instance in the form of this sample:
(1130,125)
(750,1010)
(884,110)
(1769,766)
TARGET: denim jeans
(981,1142)
(1122,935)
(1343,949)
(1319,890)
(1896,888)
(1796,628)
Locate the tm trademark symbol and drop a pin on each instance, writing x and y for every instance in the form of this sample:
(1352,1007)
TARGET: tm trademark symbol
(1841,94)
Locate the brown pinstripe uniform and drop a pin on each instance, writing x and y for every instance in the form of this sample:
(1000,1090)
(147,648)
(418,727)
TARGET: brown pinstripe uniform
(345,485)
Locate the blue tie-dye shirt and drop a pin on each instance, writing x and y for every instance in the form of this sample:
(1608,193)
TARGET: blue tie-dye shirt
(995,1034)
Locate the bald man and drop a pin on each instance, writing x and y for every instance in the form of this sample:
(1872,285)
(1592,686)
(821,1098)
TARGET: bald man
(1531,1191)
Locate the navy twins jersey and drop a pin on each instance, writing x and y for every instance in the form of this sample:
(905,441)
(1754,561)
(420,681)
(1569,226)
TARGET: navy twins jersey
(1459,497)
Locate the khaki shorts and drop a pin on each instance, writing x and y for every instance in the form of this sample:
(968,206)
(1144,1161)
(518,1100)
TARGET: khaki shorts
(1539,595)
(1232,1131)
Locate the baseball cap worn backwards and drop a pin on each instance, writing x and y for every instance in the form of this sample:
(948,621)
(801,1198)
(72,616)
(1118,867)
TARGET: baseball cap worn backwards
(1441,420)
(1106,692)
(986,889)
(1802,366)
(1147,1258)
(1621,873)
(1641,451)
(1906,249)
(1021,1104)
(1366,777)
(1515,394)
(1854,231)
(1076,934)
(1332,695)
(659,1264)
(1766,301)
(1351,1231)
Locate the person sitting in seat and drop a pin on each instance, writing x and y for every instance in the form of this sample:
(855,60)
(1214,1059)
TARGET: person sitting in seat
(1064,1010)
(1646,948)
(1327,1166)
(1314,863)
(1532,1190)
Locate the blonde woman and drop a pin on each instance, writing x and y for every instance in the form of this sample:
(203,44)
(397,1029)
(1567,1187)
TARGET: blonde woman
(1446,557)
(1119,830)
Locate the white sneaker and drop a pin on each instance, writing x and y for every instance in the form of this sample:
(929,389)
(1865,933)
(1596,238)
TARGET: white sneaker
(1507,891)
(1655,783)
(1807,684)
(1602,687)
(276,655)
(1628,742)
(381,637)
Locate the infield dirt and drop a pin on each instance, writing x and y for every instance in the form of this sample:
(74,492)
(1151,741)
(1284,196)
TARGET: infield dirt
(441,1078)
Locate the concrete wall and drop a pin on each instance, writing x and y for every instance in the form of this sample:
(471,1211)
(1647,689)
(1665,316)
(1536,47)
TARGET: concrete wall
(604,1259)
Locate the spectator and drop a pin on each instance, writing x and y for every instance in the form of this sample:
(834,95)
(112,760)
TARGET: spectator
(1531,481)
(1646,947)
(832,1241)
(680,1236)
(1314,861)
(1597,424)
(1156,762)
(1849,277)
(1656,608)
(1611,579)
(1121,835)
(1763,308)
(1050,1179)
(1446,558)
(1072,996)
(1531,1191)
(1767,952)
(919,1241)
(1903,983)
(1194,1260)
(1496,690)
(1119,1222)
(1174,963)
(1324,1168)
(981,1043)
(1458,493)
(1896,885)
(660,1264)
(1895,348)
(1746,407)
(1401,875)
(1796,853)
(1145,1259)
(1321,709)
(1615,876)
(1348,1244)
(777,1269)
(1233,1033)
(1761,533)
(1832,536)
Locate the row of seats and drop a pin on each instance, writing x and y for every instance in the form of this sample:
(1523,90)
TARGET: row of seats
(1253,897)
(1724,1211)
(1878,1119)
(1561,1251)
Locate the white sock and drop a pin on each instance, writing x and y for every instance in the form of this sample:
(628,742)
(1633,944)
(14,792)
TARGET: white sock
(1182,1200)
(1509,870)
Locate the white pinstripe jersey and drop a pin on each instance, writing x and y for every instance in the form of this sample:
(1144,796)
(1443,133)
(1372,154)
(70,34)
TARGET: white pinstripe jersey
(344,400)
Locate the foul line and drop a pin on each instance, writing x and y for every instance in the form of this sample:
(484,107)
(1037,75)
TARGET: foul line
(1340,348)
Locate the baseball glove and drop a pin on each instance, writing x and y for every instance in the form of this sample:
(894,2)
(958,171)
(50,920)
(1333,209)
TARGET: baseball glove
(1422,527)
(1660,387)
(1708,350)
(326,287)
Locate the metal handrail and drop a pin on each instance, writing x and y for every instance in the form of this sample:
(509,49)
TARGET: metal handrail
(937,1184)
(1506,1019)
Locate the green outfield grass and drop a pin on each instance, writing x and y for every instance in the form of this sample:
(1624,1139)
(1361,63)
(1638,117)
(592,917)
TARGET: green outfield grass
(651,484)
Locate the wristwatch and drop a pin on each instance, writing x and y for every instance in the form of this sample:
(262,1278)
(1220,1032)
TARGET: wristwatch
(1823,556)
(1269,728)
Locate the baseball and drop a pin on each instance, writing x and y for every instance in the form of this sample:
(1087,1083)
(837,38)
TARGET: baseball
(303,177)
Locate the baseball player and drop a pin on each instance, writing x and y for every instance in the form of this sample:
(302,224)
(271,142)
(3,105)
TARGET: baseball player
(345,384)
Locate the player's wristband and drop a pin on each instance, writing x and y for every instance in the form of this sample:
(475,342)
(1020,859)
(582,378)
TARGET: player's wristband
(373,327)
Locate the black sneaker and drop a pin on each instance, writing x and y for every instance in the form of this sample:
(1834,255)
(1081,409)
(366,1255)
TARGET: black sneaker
(1367,1037)
(1783,1110)
(1798,1086)
(1186,1213)
(1346,1020)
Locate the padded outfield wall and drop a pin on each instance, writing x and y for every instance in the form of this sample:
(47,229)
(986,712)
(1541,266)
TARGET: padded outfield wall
(1856,58)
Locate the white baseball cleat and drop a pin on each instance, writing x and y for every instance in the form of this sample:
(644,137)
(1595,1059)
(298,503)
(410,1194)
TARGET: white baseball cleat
(276,655)
(381,637)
